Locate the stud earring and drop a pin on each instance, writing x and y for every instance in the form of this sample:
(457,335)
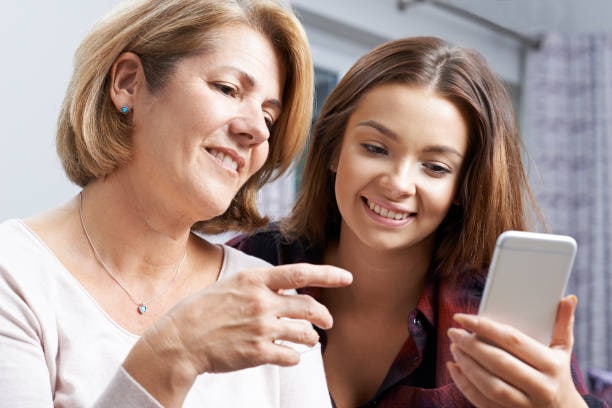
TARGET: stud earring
(124,109)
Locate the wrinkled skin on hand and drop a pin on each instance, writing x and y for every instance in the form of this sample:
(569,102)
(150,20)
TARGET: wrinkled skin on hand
(236,323)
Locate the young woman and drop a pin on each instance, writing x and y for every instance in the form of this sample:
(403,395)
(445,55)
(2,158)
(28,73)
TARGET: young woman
(414,170)
(177,112)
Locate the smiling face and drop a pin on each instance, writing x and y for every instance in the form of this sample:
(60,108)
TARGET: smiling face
(398,167)
(199,138)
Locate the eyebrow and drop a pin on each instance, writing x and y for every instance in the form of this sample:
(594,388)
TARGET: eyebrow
(392,135)
(249,80)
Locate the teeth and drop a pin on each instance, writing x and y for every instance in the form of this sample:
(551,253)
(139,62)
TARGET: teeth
(227,161)
(230,163)
(384,212)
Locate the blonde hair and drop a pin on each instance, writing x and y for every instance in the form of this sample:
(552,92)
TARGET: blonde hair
(94,139)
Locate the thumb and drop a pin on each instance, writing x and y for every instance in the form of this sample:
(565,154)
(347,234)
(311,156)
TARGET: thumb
(563,331)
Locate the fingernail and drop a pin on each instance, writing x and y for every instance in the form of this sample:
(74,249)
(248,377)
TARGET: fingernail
(464,318)
(574,299)
(348,277)
(452,334)
(453,350)
(344,276)
(453,368)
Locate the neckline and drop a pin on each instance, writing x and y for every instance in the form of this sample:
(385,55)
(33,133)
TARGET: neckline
(77,285)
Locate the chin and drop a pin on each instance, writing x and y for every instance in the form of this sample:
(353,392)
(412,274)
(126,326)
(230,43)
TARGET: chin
(392,243)
(222,211)
(210,210)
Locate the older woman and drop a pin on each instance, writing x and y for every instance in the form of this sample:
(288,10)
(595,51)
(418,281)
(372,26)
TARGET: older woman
(177,112)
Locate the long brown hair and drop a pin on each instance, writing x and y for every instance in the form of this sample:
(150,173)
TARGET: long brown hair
(93,139)
(493,194)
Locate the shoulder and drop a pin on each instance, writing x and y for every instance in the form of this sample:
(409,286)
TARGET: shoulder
(270,244)
(463,293)
(235,261)
(32,282)
(12,226)
(259,239)
(19,245)
(25,260)
(233,258)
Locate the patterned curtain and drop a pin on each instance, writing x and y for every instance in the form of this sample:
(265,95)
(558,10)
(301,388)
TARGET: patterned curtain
(567,125)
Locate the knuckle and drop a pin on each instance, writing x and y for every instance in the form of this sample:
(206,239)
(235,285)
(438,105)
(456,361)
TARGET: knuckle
(248,278)
(311,308)
(513,340)
(506,362)
(548,395)
(258,305)
(307,335)
(288,357)
(558,365)
(313,336)
(257,353)
(260,330)
(299,278)
(500,392)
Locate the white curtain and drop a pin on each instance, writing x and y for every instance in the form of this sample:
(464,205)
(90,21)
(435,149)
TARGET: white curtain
(567,125)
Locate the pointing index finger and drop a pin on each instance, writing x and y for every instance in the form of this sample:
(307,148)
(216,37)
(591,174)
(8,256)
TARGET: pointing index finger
(301,275)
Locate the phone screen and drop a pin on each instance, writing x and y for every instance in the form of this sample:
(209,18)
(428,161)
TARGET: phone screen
(527,279)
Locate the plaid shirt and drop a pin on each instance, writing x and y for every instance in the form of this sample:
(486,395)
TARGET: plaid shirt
(418,376)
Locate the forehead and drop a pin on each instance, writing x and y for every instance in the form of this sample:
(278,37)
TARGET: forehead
(413,113)
(243,50)
(239,38)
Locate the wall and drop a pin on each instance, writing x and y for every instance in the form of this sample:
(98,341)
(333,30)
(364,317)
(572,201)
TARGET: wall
(38,39)
(341,30)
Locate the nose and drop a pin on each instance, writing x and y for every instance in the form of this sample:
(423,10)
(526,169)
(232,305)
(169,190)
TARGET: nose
(250,126)
(400,181)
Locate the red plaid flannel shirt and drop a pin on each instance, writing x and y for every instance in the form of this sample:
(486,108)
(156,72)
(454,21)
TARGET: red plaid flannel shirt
(418,376)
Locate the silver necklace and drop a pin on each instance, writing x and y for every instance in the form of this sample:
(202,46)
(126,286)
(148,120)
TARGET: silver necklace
(141,306)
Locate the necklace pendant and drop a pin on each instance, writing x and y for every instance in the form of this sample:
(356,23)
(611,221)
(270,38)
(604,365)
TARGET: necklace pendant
(142,308)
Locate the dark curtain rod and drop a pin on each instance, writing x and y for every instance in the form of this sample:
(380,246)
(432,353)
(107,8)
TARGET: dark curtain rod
(531,42)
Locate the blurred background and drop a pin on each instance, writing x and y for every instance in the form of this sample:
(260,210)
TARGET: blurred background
(555,57)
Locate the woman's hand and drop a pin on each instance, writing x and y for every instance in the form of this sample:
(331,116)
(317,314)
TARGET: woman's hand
(236,323)
(518,371)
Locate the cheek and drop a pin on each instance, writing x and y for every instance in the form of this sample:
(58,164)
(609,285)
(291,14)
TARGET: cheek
(346,187)
(349,169)
(342,180)
(441,198)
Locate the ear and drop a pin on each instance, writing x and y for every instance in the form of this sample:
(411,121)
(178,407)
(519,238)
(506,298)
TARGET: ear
(126,76)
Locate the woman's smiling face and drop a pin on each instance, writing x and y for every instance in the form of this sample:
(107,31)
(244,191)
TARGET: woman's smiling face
(205,133)
(399,164)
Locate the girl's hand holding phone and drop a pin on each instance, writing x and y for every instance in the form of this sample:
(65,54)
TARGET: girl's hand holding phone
(496,365)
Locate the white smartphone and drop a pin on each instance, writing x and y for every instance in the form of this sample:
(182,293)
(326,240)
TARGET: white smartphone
(527,278)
